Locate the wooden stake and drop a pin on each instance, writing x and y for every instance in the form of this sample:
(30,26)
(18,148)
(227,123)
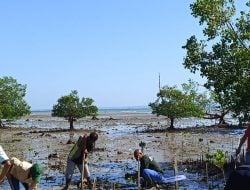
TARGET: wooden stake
(83,170)
(182,153)
(176,173)
(139,175)
(207,172)
(83,161)
(94,184)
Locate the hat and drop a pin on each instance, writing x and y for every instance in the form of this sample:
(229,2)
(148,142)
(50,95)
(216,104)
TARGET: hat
(36,171)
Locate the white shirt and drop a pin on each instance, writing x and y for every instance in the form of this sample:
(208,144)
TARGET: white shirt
(3,156)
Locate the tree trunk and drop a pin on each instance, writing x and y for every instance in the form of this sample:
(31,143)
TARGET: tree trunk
(171,123)
(71,125)
(222,121)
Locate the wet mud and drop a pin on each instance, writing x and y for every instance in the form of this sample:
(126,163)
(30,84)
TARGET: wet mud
(47,140)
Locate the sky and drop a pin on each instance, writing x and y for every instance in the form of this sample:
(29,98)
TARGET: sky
(108,50)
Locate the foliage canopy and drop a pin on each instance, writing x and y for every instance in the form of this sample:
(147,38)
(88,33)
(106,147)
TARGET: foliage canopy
(174,103)
(71,107)
(12,103)
(223,56)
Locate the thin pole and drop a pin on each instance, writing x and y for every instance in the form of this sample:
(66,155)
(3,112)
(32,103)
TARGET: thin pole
(83,162)
(94,184)
(159,82)
(176,173)
(207,172)
(139,175)
(83,170)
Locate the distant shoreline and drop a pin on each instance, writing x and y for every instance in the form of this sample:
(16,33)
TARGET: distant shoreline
(136,109)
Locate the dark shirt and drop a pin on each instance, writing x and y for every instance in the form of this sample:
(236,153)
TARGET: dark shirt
(76,153)
(149,163)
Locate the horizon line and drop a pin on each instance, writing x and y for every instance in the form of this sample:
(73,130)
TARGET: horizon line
(111,107)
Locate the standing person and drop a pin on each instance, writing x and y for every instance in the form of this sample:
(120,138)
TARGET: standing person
(4,160)
(83,147)
(26,173)
(245,137)
(150,171)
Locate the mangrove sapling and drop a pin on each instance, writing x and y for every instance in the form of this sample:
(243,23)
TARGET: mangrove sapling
(219,158)
(142,145)
(30,150)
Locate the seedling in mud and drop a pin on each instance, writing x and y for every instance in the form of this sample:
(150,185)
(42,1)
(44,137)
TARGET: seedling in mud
(219,159)
(184,134)
(209,156)
(142,145)
(30,149)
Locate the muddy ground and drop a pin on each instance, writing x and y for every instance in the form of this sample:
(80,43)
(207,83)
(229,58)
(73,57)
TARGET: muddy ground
(43,139)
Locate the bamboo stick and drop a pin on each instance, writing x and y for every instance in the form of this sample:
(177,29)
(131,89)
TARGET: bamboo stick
(83,170)
(94,185)
(176,173)
(139,175)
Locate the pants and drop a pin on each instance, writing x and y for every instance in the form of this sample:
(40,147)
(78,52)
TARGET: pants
(15,184)
(248,157)
(239,179)
(71,167)
(152,177)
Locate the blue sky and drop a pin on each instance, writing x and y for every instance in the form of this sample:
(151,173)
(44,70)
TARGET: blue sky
(109,50)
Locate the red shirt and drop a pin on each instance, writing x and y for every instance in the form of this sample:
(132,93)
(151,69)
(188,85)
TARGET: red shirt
(248,137)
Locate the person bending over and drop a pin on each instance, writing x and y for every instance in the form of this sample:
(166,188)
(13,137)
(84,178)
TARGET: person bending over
(4,161)
(24,172)
(77,156)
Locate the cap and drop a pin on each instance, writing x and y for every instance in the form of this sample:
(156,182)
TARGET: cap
(36,172)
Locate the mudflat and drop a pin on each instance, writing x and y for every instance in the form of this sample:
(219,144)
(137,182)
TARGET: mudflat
(47,140)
